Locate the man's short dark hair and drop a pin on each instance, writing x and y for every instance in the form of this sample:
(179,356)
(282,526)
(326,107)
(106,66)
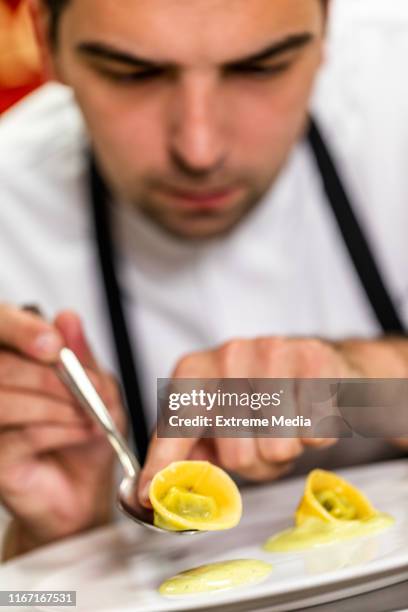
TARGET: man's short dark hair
(57,6)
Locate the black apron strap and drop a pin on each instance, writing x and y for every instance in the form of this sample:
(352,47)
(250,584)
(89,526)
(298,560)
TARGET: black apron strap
(356,243)
(125,356)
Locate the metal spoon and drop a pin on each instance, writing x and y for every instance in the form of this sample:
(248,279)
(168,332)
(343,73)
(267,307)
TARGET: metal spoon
(74,376)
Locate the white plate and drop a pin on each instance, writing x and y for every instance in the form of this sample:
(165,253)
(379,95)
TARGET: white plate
(122,567)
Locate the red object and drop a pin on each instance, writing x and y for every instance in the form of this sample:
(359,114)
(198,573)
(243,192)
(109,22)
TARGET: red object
(13,4)
(8,97)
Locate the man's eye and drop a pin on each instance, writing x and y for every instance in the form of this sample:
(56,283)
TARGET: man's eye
(137,76)
(259,69)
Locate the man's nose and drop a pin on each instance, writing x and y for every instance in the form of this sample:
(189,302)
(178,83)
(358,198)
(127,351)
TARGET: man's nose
(197,139)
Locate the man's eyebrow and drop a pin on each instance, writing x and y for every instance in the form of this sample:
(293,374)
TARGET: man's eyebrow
(291,43)
(106,52)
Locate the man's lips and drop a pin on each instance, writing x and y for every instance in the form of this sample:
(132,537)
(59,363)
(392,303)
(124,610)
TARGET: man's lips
(210,199)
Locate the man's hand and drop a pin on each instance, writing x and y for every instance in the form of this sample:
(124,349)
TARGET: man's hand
(56,467)
(252,458)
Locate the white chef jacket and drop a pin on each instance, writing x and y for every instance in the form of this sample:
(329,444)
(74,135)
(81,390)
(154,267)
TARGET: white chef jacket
(283,271)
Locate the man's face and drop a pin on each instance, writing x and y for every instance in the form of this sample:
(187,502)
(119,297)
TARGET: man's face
(193,106)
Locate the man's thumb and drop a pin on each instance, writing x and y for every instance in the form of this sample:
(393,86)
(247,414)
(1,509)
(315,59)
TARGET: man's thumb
(70,326)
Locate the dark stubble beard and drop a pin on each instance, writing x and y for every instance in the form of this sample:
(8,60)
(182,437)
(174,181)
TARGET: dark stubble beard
(192,226)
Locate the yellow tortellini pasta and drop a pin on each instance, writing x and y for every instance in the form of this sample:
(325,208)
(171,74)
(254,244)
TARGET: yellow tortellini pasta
(331,498)
(195,495)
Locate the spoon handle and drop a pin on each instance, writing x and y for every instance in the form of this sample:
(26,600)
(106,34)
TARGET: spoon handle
(74,376)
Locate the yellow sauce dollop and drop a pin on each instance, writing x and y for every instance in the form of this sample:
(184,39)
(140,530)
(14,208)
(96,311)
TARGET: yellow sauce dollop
(331,510)
(219,576)
(314,532)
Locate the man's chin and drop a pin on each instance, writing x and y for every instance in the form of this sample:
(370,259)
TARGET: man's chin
(198,227)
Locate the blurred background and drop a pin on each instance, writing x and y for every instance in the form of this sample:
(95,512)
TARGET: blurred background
(20,62)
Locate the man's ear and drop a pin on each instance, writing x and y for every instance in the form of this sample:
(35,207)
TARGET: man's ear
(42,26)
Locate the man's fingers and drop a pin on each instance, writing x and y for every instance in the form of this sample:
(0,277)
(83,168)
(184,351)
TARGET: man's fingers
(321,443)
(236,454)
(279,450)
(19,373)
(70,326)
(20,444)
(263,471)
(17,409)
(29,334)
(26,376)
(162,452)
(204,450)
(244,457)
